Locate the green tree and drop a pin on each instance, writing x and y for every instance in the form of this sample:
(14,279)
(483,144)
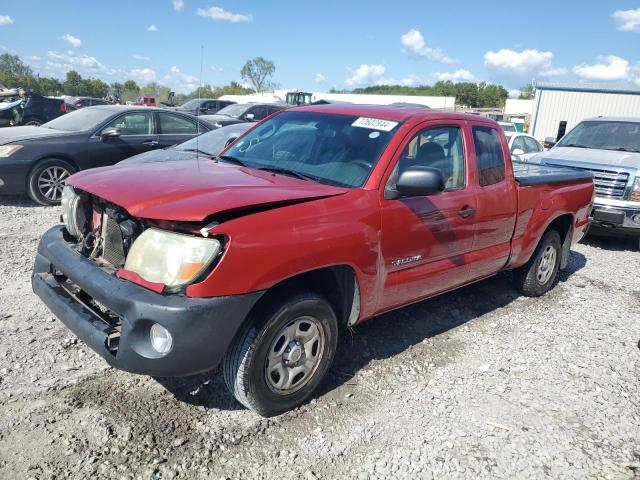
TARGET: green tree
(73,84)
(130,91)
(11,67)
(257,72)
(527,92)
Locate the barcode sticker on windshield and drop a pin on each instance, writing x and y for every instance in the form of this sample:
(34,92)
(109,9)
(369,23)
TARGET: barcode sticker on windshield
(374,124)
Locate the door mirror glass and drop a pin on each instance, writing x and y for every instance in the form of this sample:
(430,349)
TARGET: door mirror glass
(420,181)
(110,132)
(250,116)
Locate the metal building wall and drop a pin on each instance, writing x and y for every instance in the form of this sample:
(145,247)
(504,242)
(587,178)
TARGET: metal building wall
(552,106)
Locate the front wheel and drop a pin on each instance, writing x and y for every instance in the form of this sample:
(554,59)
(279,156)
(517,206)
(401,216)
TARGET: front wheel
(539,274)
(280,357)
(46,181)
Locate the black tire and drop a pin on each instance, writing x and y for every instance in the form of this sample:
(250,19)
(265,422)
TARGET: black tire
(246,362)
(532,279)
(33,121)
(41,178)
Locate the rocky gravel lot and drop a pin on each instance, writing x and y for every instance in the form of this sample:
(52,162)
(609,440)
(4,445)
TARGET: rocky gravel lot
(480,383)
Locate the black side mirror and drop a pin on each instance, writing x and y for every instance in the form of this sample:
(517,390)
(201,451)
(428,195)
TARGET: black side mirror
(108,133)
(420,181)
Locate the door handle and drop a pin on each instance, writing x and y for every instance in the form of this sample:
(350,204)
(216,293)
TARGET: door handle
(466,212)
(150,143)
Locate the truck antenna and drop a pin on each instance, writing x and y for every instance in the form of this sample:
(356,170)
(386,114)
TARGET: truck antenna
(198,110)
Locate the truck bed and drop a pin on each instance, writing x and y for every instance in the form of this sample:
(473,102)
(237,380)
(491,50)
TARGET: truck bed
(533,174)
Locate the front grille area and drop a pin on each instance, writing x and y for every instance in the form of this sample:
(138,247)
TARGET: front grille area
(608,183)
(112,241)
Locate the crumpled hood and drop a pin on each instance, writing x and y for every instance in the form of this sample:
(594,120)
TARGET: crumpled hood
(591,155)
(20,134)
(191,191)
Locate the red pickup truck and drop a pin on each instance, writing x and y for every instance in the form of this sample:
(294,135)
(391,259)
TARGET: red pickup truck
(318,218)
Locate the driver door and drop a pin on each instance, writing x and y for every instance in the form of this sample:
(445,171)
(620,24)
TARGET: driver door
(426,240)
(137,135)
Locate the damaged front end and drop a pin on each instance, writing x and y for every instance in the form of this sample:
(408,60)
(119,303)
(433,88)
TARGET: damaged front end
(119,283)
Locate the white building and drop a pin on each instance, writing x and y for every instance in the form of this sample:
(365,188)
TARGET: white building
(572,102)
(442,103)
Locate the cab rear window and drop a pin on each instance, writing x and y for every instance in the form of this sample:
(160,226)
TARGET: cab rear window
(489,155)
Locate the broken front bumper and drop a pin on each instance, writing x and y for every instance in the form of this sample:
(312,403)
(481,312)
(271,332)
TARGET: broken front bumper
(114,316)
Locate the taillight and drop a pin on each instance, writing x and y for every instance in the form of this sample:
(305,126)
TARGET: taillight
(65,107)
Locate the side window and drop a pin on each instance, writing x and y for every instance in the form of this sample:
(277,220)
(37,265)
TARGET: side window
(177,125)
(259,113)
(437,147)
(138,123)
(518,144)
(489,155)
(532,145)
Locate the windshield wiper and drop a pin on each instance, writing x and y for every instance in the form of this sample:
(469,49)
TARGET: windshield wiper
(230,159)
(622,149)
(286,171)
(573,145)
(197,150)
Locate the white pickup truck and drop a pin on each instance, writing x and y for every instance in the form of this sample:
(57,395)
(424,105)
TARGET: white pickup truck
(610,149)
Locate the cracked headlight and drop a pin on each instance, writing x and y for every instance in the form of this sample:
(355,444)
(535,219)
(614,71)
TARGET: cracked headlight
(70,211)
(173,259)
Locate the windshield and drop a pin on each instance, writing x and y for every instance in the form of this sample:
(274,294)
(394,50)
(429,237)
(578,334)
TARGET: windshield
(508,127)
(213,142)
(80,120)
(192,103)
(333,149)
(604,135)
(235,110)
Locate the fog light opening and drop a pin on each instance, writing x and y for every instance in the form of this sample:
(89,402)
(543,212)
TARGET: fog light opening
(161,339)
(636,219)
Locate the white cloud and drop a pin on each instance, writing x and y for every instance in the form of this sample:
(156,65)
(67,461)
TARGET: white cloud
(627,20)
(217,13)
(146,74)
(514,68)
(137,56)
(152,28)
(183,76)
(460,75)
(409,81)
(5,20)
(80,61)
(71,40)
(523,62)
(609,68)
(515,93)
(178,5)
(415,46)
(33,58)
(365,75)
(319,78)
(217,69)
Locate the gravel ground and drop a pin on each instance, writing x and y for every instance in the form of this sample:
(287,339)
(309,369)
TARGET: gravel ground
(479,383)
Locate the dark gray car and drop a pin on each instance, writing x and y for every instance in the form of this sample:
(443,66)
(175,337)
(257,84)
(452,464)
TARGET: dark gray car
(243,112)
(203,106)
(37,160)
(207,145)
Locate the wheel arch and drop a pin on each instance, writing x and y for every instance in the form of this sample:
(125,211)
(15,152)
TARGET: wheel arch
(563,224)
(337,283)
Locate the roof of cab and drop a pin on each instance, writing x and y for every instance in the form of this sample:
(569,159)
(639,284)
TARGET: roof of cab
(396,113)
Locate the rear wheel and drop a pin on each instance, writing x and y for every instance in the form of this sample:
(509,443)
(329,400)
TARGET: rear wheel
(33,121)
(46,181)
(280,357)
(540,273)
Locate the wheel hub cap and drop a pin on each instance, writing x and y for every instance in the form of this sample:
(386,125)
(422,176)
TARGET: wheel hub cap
(51,182)
(294,355)
(547,265)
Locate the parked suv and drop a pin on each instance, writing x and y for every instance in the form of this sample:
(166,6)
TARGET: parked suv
(609,148)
